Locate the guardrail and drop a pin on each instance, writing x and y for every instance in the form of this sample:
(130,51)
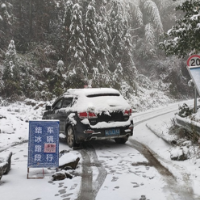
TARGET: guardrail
(192,126)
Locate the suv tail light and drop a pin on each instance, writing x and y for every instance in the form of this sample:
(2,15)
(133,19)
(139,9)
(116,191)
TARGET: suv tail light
(92,115)
(82,115)
(89,115)
(128,112)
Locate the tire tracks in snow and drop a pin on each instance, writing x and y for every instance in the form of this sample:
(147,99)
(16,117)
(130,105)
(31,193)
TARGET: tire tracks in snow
(14,144)
(152,117)
(90,187)
(176,191)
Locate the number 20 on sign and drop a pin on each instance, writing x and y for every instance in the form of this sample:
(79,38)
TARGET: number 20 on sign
(193,60)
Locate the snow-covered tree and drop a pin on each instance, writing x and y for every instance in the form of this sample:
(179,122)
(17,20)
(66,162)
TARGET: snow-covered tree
(148,28)
(117,30)
(150,39)
(77,45)
(6,23)
(127,62)
(5,16)
(103,37)
(183,38)
(152,11)
(66,28)
(103,50)
(68,14)
(10,61)
(11,52)
(118,73)
(11,76)
(60,65)
(55,79)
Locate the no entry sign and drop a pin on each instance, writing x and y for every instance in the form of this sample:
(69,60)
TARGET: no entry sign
(43,149)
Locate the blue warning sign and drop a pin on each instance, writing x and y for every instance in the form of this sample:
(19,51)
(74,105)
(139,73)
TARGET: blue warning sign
(43,146)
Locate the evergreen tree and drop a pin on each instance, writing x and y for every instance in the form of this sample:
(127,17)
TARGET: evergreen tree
(28,84)
(11,76)
(183,38)
(116,34)
(6,22)
(6,15)
(151,9)
(103,35)
(91,39)
(130,71)
(66,28)
(77,45)
(118,74)
(103,50)
(149,47)
(11,53)
(39,21)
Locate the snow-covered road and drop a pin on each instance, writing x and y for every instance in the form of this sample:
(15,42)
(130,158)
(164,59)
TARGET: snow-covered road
(106,170)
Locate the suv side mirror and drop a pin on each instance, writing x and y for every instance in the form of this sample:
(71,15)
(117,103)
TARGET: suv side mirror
(48,107)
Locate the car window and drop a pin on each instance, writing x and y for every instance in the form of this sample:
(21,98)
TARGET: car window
(103,95)
(67,102)
(57,105)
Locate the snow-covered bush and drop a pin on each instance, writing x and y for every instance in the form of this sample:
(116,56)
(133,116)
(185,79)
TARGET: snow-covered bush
(60,65)
(184,110)
(144,81)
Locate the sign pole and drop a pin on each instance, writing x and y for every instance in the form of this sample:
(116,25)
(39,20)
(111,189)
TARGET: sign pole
(195,100)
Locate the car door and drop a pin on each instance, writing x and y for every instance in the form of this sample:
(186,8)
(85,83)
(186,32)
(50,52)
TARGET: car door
(60,111)
(64,112)
(55,111)
(50,112)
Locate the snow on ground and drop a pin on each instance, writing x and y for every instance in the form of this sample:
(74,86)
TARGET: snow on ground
(129,175)
(144,179)
(159,144)
(15,185)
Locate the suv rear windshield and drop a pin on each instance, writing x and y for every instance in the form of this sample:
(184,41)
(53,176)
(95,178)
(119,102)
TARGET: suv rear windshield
(103,95)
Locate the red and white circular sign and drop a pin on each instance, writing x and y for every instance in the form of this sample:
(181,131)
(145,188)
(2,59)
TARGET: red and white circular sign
(193,60)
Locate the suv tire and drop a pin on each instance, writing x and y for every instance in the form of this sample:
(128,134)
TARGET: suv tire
(70,136)
(121,140)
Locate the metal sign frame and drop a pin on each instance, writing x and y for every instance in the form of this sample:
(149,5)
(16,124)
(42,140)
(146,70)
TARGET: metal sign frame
(194,72)
(43,145)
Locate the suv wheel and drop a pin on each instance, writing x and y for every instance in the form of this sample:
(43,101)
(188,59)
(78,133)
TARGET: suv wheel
(121,140)
(70,136)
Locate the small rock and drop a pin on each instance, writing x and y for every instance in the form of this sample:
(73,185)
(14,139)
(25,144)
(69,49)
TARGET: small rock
(142,197)
(58,176)
(178,154)
(1,117)
(70,165)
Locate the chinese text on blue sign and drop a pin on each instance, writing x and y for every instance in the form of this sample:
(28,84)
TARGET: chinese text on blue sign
(43,149)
